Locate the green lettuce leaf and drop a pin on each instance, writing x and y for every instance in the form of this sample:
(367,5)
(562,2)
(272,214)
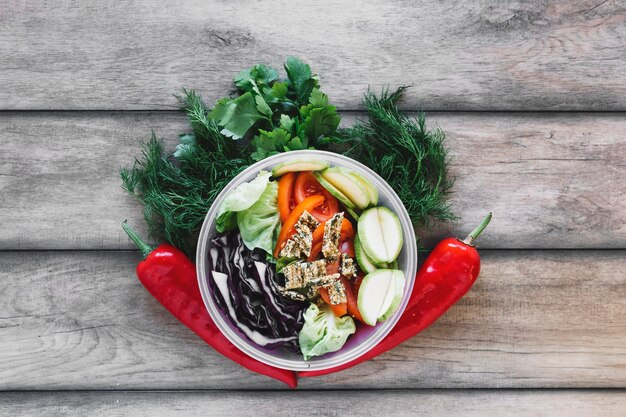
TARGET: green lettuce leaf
(323,332)
(259,223)
(253,208)
(241,198)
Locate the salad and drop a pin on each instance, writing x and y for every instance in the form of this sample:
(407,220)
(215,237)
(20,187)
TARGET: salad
(304,256)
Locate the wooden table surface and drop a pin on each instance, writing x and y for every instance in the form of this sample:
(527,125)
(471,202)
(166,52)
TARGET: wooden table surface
(531,95)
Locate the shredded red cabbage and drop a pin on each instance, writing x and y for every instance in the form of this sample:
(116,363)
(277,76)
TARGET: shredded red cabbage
(254,304)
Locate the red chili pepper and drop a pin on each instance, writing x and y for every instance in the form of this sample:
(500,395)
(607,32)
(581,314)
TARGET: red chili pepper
(171,278)
(447,274)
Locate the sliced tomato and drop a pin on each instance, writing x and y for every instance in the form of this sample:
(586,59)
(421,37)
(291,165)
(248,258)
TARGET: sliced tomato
(307,185)
(286,202)
(340,310)
(351,297)
(347,247)
(356,282)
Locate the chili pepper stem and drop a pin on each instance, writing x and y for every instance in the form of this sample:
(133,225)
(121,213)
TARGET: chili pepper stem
(469,240)
(143,246)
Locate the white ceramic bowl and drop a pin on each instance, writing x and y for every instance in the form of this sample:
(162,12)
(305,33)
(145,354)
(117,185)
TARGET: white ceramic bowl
(366,337)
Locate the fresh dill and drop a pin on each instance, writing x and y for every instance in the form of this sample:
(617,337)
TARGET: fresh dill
(410,157)
(176,190)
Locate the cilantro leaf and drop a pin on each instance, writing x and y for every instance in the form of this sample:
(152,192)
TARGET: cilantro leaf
(269,143)
(296,109)
(301,80)
(320,121)
(294,144)
(236,116)
(317,98)
(259,75)
(286,122)
(279,90)
(274,139)
(262,106)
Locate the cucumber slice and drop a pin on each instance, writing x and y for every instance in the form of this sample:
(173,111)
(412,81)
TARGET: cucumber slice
(372,192)
(389,297)
(376,295)
(353,213)
(299,165)
(380,233)
(336,193)
(397,298)
(385,265)
(364,262)
(348,186)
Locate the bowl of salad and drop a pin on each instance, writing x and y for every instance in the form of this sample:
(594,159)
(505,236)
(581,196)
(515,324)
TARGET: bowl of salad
(306,260)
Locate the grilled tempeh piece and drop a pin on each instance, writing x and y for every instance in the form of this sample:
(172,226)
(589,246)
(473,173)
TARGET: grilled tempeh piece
(348,268)
(299,245)
(332,235)
(336,292)
(294,279)
(306,223)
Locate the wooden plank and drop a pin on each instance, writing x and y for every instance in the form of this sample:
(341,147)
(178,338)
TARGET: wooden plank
(59,177)
(552,180)
(470,55)
(454,403)
(81,320)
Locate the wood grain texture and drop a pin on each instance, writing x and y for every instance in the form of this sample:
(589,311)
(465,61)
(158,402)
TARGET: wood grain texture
(59,177)
(460,54)
(455,403)
(81,320)
(552,180)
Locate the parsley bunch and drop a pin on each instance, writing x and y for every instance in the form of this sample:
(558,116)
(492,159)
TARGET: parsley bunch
(277,116)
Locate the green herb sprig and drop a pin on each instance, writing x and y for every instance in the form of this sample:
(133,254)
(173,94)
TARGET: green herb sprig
(177,189)
(411,158)
(278,116)
(270,116)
